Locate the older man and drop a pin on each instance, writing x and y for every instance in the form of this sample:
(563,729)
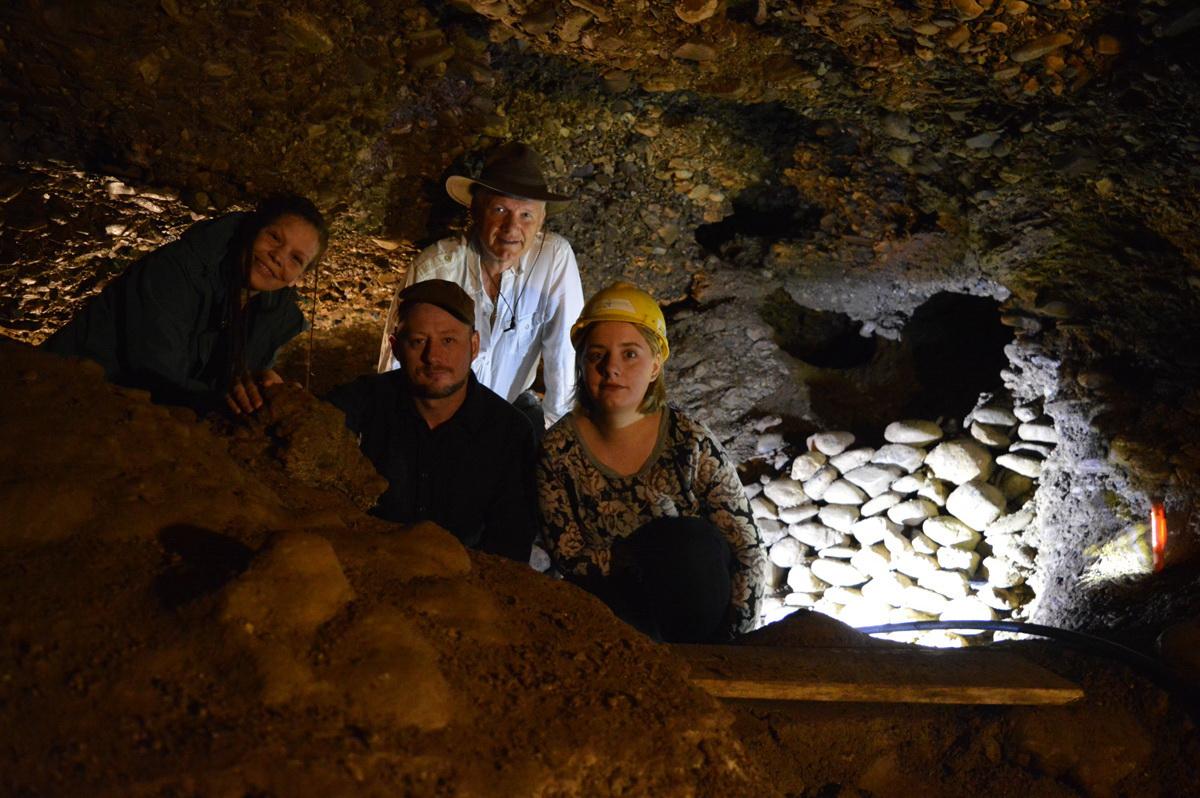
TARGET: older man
(524,281)
(452,451)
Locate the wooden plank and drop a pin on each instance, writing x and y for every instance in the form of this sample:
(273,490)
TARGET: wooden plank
(891,675)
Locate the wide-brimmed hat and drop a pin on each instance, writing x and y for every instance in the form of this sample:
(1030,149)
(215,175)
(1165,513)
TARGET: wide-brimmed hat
(514,169)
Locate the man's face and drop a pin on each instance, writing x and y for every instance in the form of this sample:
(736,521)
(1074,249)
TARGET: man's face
(507,226)
(435,350)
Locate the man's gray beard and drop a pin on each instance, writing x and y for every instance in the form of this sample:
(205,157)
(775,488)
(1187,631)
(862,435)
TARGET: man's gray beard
(425,392)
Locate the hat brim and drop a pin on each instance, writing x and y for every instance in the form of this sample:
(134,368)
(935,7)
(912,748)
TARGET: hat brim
(459,189)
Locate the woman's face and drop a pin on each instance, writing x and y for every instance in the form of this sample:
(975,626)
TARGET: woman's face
(619,366)
(281,252)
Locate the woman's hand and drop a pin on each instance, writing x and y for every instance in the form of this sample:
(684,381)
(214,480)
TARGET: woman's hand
(245,398)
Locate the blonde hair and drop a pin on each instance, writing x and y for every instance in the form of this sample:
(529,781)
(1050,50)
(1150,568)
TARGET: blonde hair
(656,392)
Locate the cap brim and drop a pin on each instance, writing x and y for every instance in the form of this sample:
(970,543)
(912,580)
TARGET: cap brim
(459,189)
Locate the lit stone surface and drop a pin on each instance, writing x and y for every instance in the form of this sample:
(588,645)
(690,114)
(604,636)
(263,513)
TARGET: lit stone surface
(951,584)
(839,552)
(923,600)
(874,479)
(900,455)
(976,504)
(838,516)
(946,530)
(1001,573)
(951,558)
(801,512)
(771,530)
(880,503)
(768,443)
(913,431)
(915,565)
(851,459)
(960,461)
(837,572)
(997,598)
(762,507)
(887,588)
(843,595)
(872,560)
(787,552)
(990,435)
(870,531)
(967,609)
(936,491)
(816,485)
(1027,412)
(817,535)
(807,464)
(1014,485)
(785,492)
(802,580)
(1040,431)
(1023,464)
(912,512)
(994,415)
(897,542)
(910,483)
(864,613)
(800,599)
(844,492)
(831,443)
(923,544)
(1011,523)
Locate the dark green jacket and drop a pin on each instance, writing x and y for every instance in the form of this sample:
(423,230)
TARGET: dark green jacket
(163,324)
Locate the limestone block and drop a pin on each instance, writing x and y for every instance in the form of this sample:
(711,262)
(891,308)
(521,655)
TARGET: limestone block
(839,552)
(771,530)
(960,461)
(1011,523)
(990,435)
(976,504)
(946,530)
(887,588)
(851,459)
(816,485)
(838,516)
(807,464)
(900,455)
(1038,431)
(915,432)
(831,443)
(817,535)
(923,544)
(787,552)
(870,531)
(997,598)
(803,580)
(915,565)
(1015,486)
(912,512)
(951,584)
(864,612)
(1001,573)
(994,415)
(1028,412)
(936,491)
(968,608)
(910,483)
(1023,464)
(923,600)
(798,599)
(762,507)
(801,512)
(880,503)
(874,479)
(896,541)
(843,595)
(1043,449)
(872,560)
(952,558)
(844,492)
(836,572)
(784,492)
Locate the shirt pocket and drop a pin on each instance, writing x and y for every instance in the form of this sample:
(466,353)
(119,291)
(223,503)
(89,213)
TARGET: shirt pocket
(526,330)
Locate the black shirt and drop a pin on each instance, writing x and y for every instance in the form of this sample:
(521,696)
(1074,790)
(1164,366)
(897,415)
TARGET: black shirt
(472,474)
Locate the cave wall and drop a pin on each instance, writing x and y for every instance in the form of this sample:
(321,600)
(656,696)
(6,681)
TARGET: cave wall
(861,157)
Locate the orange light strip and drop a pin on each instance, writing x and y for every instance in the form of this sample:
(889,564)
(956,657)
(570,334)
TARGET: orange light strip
(1158,534)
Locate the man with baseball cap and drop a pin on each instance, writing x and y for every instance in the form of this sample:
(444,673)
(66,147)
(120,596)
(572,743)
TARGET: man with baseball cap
(452,451)
(524,280)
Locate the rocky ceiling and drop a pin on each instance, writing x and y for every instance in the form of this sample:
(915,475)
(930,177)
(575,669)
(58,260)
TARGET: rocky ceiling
(853,156)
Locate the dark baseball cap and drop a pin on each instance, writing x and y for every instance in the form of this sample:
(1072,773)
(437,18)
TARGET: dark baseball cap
(444,294)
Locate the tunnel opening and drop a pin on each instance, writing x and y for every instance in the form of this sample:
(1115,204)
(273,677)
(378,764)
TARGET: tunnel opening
(821,338)
(761,214)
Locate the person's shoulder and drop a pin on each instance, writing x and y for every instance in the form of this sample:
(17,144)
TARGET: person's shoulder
(492,408)
(557,244)
(688,428)
(218,231)
(444,252)
(560,431)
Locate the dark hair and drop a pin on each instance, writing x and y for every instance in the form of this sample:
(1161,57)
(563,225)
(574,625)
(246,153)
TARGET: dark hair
(268,211)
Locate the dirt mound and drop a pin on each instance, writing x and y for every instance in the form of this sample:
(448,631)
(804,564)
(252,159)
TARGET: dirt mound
(179,621)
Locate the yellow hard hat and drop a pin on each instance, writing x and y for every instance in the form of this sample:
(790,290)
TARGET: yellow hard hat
(623,302)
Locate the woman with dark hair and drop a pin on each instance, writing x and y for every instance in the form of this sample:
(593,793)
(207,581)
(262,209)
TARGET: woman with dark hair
(198,322)
(640,505)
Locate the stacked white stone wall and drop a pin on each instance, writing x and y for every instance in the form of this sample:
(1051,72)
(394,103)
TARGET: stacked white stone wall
(935,524)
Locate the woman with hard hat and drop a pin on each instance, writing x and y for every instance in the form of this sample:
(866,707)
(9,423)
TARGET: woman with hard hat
(640,505)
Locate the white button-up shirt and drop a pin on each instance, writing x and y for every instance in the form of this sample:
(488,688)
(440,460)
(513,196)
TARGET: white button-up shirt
(539,299)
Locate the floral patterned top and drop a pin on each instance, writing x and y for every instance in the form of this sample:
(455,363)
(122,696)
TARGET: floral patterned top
(585,505)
